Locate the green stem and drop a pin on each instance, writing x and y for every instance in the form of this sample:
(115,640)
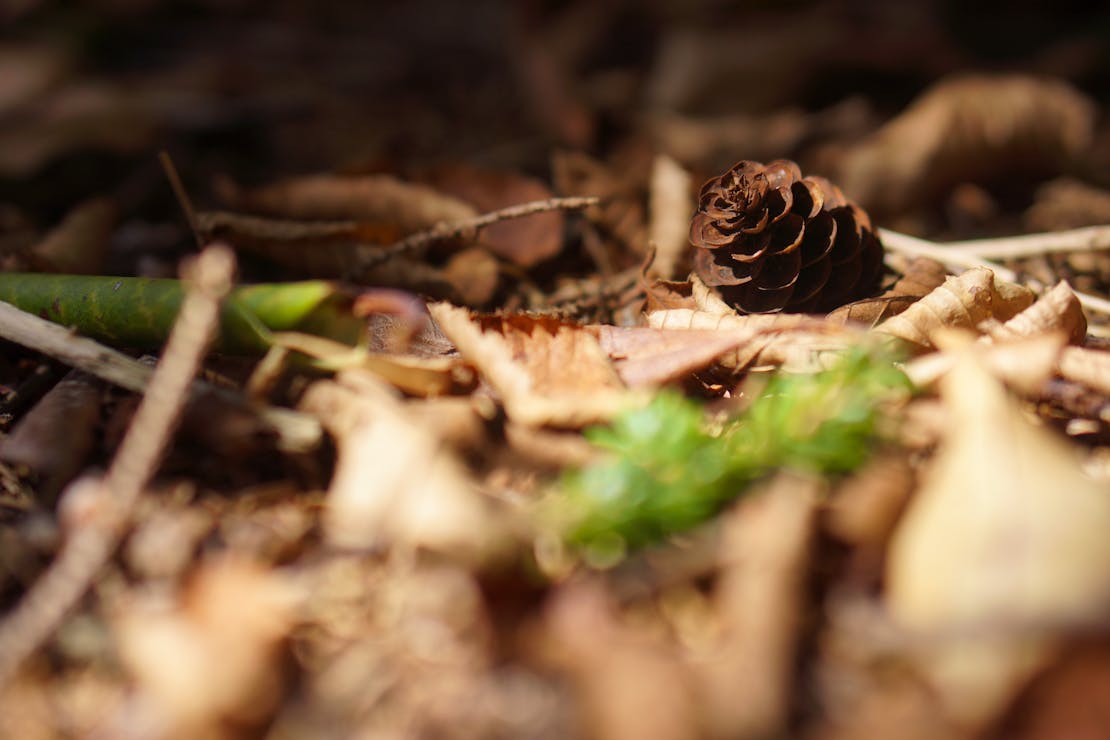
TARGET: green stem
(138,312)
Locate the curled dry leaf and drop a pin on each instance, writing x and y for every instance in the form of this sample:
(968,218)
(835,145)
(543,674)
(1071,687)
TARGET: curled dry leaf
(547,372)
(215,657)
(707,299)
(671,206)
(796,342)
(382,199)
(922,276)
(969,128)
(395,482)
(1057,311)
(1003,548)
(760,599)
(961,302)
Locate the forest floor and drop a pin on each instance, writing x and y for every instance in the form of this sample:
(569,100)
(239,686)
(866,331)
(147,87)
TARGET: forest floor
(491,448)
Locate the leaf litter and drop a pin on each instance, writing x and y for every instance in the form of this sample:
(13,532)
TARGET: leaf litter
(507,468)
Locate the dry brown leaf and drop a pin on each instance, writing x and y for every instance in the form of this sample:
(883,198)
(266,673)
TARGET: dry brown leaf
(646,357)
(215,656)
(961,302)
(796,342)
(922,276)
(1003,547)
(546,371)
(523,241)
(382,199)
(671,206)
(1057,311)
(760,600)
(969,128)
(395,482)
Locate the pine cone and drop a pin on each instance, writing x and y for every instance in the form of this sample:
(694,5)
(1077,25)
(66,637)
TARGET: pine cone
(771,240)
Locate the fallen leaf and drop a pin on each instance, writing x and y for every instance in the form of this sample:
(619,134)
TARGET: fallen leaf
(796,342)
(380,199)
(395,482)
(617,671)
(1003,548)
(214,656)
(707,299)
(961,302)
(922,276)
(965,129)
(647,357)
(1058,310)
(546,371)
(523,241)
(760,599)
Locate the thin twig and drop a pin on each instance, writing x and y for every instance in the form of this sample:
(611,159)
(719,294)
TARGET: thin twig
(183,199)
(296,432)
(957,254)
(89,547)
(457,229)
(1086,239)
(912,246)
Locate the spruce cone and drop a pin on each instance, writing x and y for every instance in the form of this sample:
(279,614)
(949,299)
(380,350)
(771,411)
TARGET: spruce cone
(771,240)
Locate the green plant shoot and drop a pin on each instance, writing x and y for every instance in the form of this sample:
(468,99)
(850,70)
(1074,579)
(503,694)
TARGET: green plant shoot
(667,472)
(139,312)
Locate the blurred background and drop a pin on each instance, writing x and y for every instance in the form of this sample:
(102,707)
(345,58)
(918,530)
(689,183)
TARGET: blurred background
(90,90)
